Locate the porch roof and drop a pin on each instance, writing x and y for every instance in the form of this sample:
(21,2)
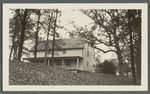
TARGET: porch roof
(41,58)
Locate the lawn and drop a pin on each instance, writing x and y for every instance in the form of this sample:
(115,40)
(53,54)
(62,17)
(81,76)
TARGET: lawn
(38,74)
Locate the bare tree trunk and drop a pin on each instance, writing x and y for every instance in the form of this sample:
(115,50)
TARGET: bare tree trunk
(120,58)
(131,48)
(14,36)
(45,58)
(54,37)
(36,43)
(16,47)
(15,52)
(121,70)
(11,51)
(132,59)
(36,37)
(138,59)
(22,34)
(127,74)
(138,63)
(49,25)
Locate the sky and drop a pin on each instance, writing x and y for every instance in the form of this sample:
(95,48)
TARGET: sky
(81,20)
(72,15)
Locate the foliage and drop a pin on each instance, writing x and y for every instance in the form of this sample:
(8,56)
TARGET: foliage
(21,27)
(97,66)
(134,17)
(26,27)
(108,67)
(107,29)
(110,28)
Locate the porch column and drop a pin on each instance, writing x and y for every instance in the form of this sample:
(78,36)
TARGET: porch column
(48,62)
(77,67)
(62,63)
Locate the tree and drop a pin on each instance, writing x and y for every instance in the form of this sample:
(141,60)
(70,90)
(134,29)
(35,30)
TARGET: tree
(24,30)
(136,30)
(108,67)
(13,23)
(110,24)
(97,66)
(37,32)
(50,27)
(134,17)
(15,30)
(23,20)
(54,36)
(112,31)
(132,38)
(50,21)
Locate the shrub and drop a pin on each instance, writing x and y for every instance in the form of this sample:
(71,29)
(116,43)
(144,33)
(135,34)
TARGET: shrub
(98,67)
(108,67)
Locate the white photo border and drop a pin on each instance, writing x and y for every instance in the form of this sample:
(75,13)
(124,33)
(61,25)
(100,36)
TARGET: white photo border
(144,64)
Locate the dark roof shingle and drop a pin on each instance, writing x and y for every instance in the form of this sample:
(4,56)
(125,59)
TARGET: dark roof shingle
(68,43)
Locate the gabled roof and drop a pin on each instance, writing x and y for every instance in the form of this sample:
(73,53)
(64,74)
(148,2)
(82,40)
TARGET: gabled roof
(68,43)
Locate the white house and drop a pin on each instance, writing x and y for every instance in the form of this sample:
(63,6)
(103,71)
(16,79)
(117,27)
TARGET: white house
(70,53)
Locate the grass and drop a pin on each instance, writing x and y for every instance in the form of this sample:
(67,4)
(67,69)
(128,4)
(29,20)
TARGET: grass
(104,79)
(38,74)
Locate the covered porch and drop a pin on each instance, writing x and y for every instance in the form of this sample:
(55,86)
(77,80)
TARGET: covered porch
(62,62)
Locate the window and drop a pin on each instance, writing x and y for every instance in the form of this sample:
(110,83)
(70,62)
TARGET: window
(87,53)
(55,52)
(68,63)
(87,63)
(50,52)
(58,63)
(64,51)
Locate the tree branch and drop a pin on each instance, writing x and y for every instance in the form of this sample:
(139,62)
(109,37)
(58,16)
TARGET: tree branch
(103,50)
(103,42)
(17,14)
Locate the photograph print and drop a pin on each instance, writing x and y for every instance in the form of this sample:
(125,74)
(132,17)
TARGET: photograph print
(75,46)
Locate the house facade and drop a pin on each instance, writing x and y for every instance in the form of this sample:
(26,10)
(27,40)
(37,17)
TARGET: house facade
(71,53)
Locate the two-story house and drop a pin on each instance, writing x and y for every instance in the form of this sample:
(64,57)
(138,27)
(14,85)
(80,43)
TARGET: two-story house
(70,53)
